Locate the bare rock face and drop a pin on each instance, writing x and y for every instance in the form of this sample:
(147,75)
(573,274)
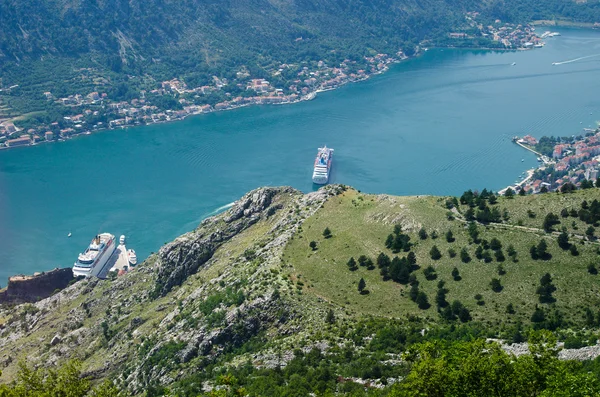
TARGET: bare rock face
(55,341)
(184,256)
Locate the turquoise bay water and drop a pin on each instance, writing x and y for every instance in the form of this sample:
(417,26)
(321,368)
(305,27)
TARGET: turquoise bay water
(439,124)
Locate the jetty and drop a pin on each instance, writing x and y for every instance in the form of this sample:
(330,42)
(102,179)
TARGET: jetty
(117,262)
(545,159)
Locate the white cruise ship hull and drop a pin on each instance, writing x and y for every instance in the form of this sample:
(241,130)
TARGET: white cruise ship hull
(322,166)
(95,268)
(320,179)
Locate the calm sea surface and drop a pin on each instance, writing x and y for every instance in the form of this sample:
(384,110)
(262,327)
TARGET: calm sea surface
(439,124)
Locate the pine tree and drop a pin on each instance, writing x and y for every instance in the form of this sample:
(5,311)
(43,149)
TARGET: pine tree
(449,236)
(422,234)
(362,260)
(397,229)
(327,233)
(563,240)
(330,318)
(422,301)
(383,260)
(362,285)
(389,241)
(430,273)
(313,245)
(538,315)
(546,289)
(542,248)
(495,244)
(550,221)
(435,253)
(573,250)
(499,256)
(414,292)
(440,298)
(352,264)
(496,285)
(464,255)
(474,232)
(464,315)
(533,252)
(590,232)
(412,258)
(456,274)
(510,309)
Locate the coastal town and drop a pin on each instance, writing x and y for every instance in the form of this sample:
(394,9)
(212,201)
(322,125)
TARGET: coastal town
(565,162)
(88,112)
(94,111)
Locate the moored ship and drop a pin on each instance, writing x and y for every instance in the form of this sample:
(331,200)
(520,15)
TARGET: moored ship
(94,258)
(131,257)
(322,165)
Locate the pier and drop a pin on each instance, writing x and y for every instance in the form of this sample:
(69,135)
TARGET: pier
(118,261)
(544,158)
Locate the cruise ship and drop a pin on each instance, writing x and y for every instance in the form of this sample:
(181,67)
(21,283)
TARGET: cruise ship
(93,260)
(322,165)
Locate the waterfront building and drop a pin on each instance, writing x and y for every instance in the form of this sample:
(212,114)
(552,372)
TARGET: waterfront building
(22,141)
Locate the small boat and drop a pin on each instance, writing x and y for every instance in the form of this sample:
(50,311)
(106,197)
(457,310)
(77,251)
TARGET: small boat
(131,257)
(69,235)
(122,239)
(522,160)
(513,64)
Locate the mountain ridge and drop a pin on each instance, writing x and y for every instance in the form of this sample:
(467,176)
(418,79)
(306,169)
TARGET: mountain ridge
(246,286)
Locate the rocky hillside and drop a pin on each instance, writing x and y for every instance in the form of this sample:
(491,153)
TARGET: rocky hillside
(284,279)
(204,294)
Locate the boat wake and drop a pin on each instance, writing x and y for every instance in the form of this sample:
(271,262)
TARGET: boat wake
(220,209)
(575,60)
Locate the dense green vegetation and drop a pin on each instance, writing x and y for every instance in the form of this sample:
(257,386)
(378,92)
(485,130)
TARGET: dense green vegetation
(122,47)
(64,381)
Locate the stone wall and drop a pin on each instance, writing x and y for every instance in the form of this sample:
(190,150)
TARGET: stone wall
(22,289)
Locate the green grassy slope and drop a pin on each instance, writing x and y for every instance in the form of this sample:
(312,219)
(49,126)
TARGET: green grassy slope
(360,224)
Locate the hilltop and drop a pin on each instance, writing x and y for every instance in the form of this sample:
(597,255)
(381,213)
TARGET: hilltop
(271,280)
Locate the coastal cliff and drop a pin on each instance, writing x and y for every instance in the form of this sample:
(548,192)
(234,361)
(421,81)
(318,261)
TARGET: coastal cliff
(22,289)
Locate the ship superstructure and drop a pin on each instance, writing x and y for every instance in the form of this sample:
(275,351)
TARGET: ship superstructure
(322,165)
(94,258)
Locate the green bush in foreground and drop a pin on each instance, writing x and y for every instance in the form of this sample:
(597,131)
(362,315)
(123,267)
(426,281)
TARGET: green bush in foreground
(483,369)
(64,381)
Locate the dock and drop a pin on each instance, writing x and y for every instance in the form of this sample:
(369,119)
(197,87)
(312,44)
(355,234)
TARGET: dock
(118,261)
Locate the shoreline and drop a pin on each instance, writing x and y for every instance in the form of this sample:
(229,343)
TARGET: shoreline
(308,97)
(566,24)
(313,94)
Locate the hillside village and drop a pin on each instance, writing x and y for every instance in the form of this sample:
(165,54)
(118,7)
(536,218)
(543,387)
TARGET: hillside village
(96,111)
(174,99)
